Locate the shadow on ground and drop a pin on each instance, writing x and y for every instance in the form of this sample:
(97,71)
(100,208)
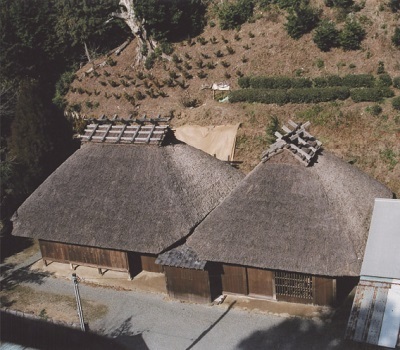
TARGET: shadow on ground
(306,334)
(126,338)
(11,245)
(44,335)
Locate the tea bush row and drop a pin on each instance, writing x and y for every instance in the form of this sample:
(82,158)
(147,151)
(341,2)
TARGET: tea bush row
(350,81)
(280,96)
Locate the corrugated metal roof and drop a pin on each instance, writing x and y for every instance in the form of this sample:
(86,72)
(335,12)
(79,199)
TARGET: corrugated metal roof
(375,315)
(182,256)
(382,254)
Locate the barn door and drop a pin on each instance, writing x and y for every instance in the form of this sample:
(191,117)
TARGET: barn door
(260,282)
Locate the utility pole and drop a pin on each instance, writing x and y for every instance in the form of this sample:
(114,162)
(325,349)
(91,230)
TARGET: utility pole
(78,302)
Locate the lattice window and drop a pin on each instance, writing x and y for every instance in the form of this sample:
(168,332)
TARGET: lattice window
(291,284)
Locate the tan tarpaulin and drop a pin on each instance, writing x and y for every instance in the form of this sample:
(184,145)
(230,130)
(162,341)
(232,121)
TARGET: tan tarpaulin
(219,141)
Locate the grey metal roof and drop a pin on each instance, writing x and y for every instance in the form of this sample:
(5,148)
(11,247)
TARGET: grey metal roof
(182,256)
(375,315)
(382,254)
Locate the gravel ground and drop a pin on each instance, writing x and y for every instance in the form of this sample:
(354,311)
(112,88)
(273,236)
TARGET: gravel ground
(140,320)
(151,321)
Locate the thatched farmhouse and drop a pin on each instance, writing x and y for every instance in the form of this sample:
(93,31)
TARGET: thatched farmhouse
(122,199)
(294,229)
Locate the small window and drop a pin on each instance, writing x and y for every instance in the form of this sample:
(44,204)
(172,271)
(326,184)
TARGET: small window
(291,284)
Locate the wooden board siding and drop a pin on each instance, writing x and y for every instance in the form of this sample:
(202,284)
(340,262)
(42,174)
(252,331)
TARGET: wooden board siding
(81,255)
(260,282)
(234,279)
(149,263)
(324,291)
(187,284)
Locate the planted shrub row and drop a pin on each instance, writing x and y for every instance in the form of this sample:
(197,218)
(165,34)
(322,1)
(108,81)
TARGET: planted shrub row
(281,82)
(274,82)
(370,94)
(280,96)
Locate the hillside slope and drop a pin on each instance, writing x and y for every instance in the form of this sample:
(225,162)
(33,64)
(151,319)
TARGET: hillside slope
(261,48)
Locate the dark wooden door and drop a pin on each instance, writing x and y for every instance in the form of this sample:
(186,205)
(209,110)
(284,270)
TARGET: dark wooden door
(260,282)
(234,279)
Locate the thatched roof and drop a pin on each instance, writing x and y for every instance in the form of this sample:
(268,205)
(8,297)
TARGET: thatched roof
(139,198)
(287,216)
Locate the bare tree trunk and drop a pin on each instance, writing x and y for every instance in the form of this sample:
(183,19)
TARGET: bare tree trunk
(87,52)
(128,15)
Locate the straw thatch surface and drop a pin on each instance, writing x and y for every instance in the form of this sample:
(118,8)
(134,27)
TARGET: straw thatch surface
(126,197)
(286,216)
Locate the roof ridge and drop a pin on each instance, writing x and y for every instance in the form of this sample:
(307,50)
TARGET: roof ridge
(301,144)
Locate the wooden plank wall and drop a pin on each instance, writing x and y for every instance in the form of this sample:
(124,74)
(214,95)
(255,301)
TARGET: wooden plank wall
(89,256)
(187,284)
(149,263)
(234,279)
(260,282)
(324,291)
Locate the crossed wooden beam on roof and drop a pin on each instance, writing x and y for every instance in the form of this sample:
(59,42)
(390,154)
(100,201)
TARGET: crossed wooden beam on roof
(302,145)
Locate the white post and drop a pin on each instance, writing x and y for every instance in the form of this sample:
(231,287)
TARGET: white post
(78,302)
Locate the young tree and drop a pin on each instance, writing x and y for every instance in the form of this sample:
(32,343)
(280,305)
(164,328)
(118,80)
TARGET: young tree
(326,36)
(351,36)
(301,20)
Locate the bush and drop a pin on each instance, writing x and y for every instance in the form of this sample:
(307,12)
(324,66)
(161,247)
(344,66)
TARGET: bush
(280,96)
(301,21)
(232,15)
(374,110)
(275,82)
(394,5)
(343,3)
(396,37)
(301,83)
(351,36)
(384,80)
(259,95)
(244,82)
(370,94)
(326,36)
(359,80)
(316,95)
(396,103)
(396,82)
(330,80)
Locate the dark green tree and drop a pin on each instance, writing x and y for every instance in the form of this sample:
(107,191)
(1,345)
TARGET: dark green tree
(301,20)
(82,26)
(396,37)
(40,138)
(326,36)
(351,36)
(234,14)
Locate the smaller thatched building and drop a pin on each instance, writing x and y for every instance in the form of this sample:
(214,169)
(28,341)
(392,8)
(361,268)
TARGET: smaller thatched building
(117,206)
(294,229)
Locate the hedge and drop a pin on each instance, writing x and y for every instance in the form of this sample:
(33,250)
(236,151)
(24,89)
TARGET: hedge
(315,95)
(370,94)
(330,80)
(396,103)
(259,95)
(359,80)
(282,82)
(277,82)
(279,96)
(396,82)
